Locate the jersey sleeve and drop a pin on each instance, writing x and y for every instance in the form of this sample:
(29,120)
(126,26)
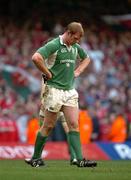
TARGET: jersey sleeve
(47,50)
(81,53)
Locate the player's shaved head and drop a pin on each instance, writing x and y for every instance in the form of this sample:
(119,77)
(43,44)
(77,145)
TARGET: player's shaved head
(75,27)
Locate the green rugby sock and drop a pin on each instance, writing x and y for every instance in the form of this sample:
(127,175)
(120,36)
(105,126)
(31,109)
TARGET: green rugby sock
(74,138)
(39,144)
(71,150)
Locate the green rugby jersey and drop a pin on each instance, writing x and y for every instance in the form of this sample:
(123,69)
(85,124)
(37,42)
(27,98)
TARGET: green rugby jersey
(60,60)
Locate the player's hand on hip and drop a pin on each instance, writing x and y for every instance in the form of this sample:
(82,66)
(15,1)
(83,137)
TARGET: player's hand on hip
(49,75)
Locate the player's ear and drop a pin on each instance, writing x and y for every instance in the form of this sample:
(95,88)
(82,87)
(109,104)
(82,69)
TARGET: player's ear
(68,32)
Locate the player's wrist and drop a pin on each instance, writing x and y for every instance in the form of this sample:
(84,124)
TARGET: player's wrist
(79,71)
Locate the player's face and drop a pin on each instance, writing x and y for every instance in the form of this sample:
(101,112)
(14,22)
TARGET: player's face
(74,38)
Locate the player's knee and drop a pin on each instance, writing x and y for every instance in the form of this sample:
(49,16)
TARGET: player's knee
(49,129)
(46,129)
(73,126)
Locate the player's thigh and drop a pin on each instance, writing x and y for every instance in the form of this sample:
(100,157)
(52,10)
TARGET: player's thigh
(71,115)
(50,118)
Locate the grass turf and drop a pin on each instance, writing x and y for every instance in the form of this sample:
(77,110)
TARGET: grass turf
(61,170)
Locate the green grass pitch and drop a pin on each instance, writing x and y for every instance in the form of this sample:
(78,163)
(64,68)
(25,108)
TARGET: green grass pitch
(61,170)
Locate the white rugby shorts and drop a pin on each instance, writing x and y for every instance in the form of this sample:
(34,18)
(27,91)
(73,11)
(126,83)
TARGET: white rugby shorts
(53,99)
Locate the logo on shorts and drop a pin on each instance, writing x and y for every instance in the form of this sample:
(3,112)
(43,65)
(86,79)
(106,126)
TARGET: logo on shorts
(51,109)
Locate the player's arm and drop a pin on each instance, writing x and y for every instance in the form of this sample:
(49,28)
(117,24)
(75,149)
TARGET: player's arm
(38,60)
(82,66)
(85,60)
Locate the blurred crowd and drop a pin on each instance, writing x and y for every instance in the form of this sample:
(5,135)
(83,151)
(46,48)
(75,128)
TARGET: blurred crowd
(104,88)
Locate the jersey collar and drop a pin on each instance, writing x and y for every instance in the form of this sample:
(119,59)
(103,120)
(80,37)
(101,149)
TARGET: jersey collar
(61,41)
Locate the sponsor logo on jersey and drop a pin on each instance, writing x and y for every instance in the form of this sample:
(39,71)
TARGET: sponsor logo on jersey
(67,61)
